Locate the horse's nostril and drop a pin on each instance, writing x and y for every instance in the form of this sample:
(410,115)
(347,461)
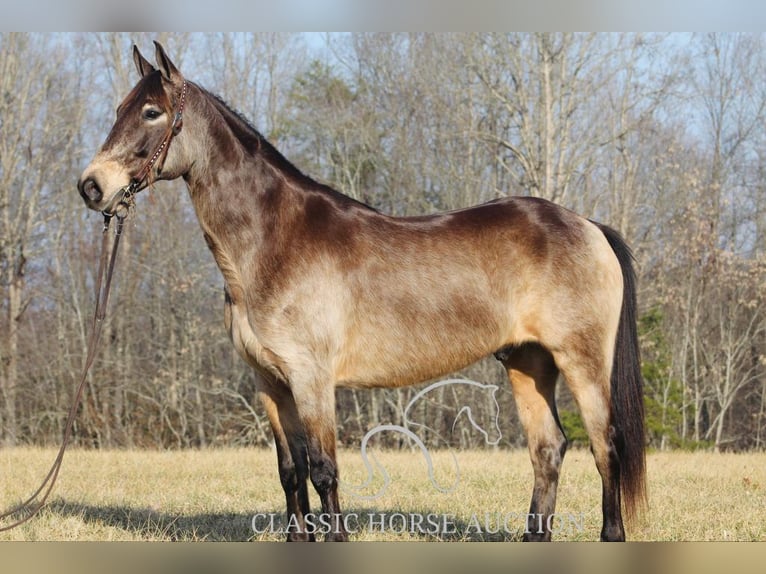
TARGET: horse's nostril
(90,191)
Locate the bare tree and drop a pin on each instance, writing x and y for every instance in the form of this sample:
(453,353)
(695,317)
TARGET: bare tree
(732,104)
(39,116)
(253,72)
(659,136)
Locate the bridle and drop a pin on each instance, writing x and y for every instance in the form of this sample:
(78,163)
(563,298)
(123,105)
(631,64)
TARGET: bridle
(125,195)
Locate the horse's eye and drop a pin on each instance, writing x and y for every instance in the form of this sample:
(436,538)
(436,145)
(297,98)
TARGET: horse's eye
(152,114)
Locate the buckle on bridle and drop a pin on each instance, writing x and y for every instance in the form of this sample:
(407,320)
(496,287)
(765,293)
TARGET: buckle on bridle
(178,122)
(124,197)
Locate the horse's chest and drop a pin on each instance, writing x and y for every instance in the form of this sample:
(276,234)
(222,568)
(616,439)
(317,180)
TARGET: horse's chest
(248,344)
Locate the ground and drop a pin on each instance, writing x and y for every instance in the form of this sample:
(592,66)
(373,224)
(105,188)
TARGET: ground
(234,495)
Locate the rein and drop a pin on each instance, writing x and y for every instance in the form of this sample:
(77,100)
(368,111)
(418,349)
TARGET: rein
(103,287)
(122,199)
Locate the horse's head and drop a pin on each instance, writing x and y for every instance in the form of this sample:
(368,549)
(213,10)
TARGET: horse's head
(137,150)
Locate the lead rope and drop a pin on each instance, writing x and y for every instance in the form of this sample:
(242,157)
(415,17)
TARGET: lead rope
(31,504)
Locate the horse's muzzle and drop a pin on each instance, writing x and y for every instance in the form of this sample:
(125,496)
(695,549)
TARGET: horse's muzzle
(90,191)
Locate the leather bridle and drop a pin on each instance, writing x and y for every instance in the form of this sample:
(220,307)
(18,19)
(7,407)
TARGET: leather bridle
(125,195)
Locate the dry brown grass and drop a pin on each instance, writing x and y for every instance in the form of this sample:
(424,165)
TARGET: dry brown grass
(214,494)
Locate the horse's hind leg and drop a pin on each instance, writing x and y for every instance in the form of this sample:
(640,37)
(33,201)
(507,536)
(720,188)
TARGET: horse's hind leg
(533,376)
(589,380)
(292,455)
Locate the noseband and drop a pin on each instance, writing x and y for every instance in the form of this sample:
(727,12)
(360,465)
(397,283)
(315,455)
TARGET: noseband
(124,197)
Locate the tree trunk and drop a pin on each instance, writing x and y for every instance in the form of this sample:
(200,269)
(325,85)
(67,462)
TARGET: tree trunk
(15,290)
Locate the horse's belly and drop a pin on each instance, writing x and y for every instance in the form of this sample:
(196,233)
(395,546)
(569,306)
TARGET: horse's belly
(407,352)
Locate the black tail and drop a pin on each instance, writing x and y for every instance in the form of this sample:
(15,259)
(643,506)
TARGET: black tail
(627,387)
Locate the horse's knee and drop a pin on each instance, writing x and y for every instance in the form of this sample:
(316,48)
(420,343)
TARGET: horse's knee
(288,475)
(324,473)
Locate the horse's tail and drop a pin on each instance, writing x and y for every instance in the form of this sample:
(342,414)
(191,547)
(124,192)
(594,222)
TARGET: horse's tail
(627,409)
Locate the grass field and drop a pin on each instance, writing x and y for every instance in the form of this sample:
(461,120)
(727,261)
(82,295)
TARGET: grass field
(214,495)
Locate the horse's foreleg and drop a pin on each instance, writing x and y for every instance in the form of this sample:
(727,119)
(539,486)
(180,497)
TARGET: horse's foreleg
(292,457)
(533,377)
(289,437)
(316,407)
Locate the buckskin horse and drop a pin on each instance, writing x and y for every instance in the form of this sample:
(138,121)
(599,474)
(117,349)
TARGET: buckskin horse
(322,291)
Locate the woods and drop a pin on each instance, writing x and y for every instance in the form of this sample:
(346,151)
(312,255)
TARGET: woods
(660,136)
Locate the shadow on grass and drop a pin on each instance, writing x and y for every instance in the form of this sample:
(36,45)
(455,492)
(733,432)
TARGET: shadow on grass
(149,524)
(383,524)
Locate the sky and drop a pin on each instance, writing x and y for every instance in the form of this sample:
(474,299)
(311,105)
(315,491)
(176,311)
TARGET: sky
(384,15)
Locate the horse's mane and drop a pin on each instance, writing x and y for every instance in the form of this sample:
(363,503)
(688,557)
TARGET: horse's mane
(253,141)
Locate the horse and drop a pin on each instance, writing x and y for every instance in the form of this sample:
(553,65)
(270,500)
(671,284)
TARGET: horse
(406,430)
(323,291)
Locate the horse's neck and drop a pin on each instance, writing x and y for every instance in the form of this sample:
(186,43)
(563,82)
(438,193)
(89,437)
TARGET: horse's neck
(229,191)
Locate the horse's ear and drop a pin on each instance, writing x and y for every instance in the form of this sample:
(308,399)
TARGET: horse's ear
(142,64)
(167,68)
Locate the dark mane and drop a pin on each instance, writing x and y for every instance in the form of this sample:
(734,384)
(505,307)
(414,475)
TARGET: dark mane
(255,143)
